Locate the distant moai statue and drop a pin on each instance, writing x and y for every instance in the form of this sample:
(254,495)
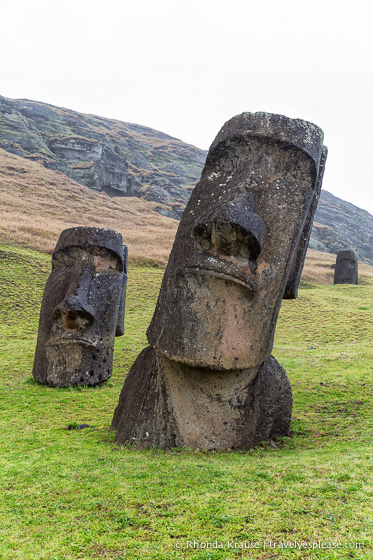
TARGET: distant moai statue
(346,267)
(82,308)
(207,380)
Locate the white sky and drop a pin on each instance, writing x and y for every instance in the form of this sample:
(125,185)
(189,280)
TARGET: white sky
(186,67)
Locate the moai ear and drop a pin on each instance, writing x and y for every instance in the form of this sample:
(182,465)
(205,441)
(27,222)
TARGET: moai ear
(122,306)
(297,263)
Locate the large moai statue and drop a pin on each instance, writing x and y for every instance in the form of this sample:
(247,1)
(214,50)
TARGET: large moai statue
(208,379)
(82,308)
(346,267)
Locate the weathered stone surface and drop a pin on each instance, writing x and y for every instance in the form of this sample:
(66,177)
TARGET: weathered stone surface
(291,290)
(208,379)
(82,308)
(346,268)
(121,159)
(236,243)
(164,405)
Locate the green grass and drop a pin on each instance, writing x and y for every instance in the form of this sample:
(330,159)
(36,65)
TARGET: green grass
(74,494)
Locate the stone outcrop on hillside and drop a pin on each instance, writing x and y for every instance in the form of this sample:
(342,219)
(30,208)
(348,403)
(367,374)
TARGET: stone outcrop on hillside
(121,159)
(124,159)
(340,225)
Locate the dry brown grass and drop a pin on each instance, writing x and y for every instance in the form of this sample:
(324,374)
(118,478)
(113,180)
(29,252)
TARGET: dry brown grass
(36,204)
(319,269)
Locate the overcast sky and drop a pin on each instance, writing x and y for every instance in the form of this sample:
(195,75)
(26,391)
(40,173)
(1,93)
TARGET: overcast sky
(186,67)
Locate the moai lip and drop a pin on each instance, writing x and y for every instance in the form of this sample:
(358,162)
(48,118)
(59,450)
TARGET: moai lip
(346,267)
(82,309)
(208,379)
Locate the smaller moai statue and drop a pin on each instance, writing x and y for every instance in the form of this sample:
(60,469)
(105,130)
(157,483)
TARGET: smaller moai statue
(82,309)
(346,267)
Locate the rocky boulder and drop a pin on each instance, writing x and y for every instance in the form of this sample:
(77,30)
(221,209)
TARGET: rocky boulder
(121,159)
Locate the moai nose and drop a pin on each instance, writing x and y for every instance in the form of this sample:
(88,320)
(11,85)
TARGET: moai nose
(75,311)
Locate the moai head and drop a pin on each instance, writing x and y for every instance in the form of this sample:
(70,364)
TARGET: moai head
(82,308)
(346,267)
(238,241)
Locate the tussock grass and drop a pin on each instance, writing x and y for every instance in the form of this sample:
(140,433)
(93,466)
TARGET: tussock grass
(75,495)
(36,204)
(319,269)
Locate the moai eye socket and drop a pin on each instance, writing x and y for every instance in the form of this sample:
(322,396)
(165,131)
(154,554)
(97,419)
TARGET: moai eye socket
(105,263)
(63,259)
(202,237)
(243,244)
(224,238)
(233,240)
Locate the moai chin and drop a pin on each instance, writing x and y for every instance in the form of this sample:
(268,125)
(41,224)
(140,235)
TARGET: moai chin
(207,380)
(82,308)
(346,267)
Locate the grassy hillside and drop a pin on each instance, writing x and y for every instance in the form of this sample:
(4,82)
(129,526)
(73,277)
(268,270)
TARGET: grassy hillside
(36,204)
(121,159)
(74,494)
(124,159)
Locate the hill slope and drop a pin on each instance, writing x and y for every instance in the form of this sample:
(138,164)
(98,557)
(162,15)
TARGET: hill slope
(36,204)
(129,160)
(340,225)
(114,502)
(121,159)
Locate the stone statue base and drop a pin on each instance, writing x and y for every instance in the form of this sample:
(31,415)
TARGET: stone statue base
(166,404)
